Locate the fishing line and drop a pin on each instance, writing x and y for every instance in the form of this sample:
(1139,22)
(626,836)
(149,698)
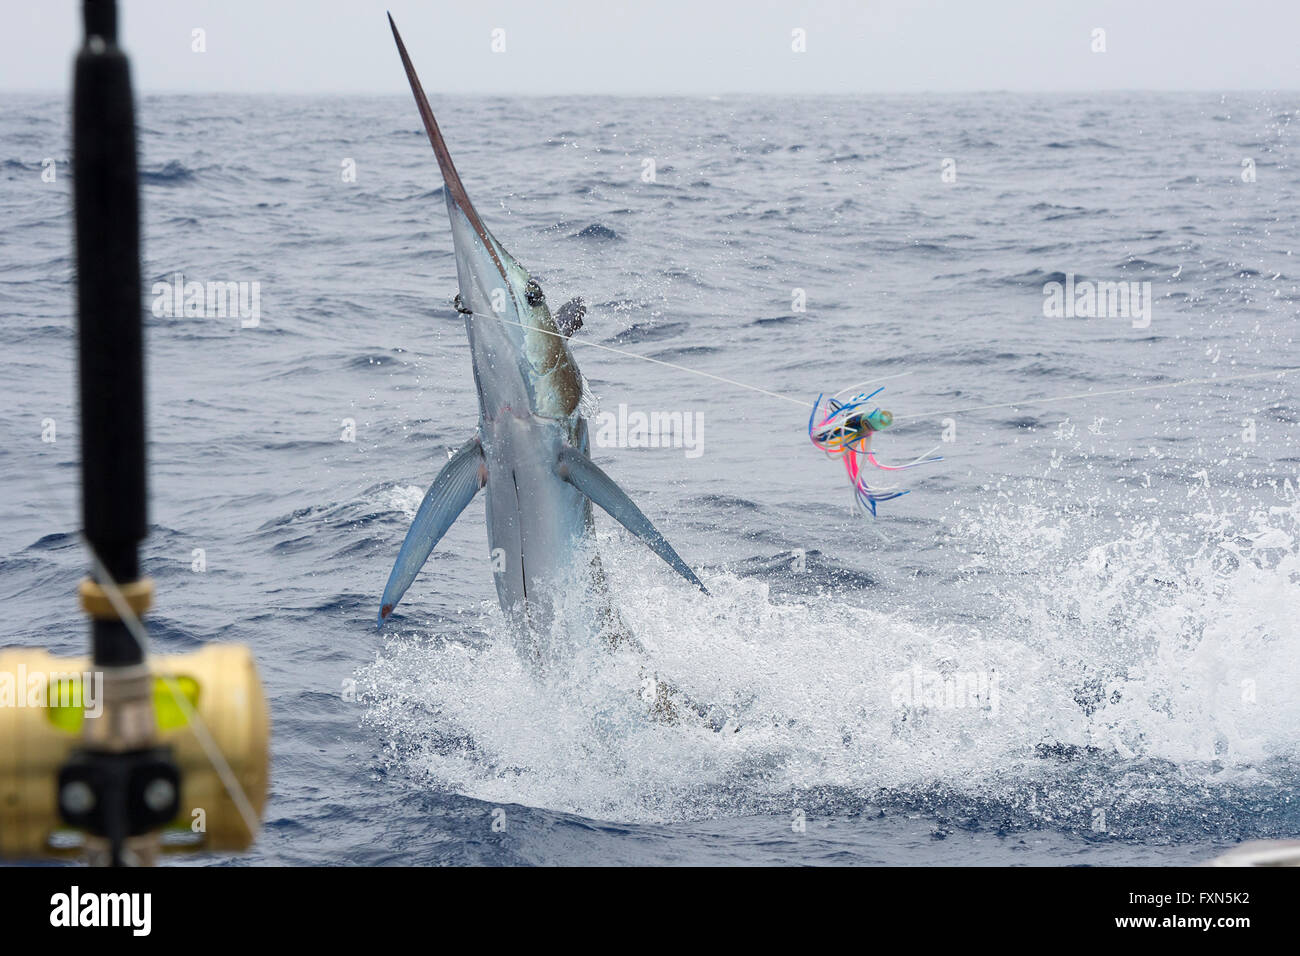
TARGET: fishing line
(897,418)
(802,402)
(1115,391)
(846,429)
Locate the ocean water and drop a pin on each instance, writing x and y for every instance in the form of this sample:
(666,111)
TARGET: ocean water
(1117,575)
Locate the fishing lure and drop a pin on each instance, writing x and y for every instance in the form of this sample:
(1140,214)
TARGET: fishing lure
(845,432)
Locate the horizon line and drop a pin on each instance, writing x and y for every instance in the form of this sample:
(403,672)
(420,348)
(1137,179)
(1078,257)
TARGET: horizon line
(47,91)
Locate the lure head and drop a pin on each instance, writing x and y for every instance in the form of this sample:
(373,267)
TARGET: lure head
(863,424)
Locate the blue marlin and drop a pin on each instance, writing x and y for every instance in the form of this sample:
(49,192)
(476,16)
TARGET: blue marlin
(530,453)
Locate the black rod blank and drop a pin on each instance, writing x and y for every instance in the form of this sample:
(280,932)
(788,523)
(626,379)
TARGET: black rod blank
(109,304)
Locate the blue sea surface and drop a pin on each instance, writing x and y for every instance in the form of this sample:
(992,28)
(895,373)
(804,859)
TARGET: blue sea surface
(1119,574)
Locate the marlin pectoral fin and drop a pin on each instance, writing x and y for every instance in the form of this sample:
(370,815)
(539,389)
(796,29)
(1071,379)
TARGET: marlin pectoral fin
(581,472)
(453,489)
(568,318)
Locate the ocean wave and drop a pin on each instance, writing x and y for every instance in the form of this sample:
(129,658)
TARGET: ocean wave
(171,173)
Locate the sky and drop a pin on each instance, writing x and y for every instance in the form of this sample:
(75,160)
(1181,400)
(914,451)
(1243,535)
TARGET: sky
(698,47)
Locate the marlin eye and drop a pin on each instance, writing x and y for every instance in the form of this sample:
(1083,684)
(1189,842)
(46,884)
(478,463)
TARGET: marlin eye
(533,293)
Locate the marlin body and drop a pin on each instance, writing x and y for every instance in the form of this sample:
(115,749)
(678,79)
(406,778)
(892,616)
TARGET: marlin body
(530,452)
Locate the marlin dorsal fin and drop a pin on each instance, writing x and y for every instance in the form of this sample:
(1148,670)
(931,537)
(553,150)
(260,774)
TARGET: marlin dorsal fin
(568,318)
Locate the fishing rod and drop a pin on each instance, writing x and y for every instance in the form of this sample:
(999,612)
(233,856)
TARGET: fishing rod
(120,755)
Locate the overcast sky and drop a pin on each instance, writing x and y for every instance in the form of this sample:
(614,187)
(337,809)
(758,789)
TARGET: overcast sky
(674,46)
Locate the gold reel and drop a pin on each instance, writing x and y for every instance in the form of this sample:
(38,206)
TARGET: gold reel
(46,703)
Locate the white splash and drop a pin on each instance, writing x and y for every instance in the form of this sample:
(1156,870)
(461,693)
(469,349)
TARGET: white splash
(1153,645)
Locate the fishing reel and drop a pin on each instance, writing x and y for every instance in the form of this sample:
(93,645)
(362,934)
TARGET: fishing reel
(98,758)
